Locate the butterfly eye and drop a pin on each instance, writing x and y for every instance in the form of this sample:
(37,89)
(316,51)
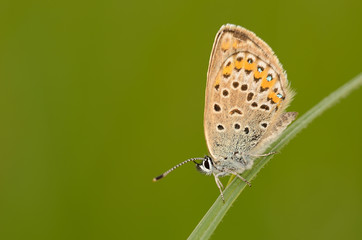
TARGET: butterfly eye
(206,164)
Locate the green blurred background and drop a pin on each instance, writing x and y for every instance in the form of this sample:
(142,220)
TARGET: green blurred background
(99,97)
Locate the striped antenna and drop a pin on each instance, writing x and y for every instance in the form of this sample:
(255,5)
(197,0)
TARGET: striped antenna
(178,165)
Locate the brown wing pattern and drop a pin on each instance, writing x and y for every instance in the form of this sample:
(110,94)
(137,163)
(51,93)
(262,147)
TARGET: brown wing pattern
(246,94)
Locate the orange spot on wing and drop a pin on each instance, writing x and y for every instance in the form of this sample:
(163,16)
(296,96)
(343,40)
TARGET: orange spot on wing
(260,74)
(217,81)
(239,64)
(225,45)
(227,69)
(236,43)
(273,97)
(249,66)
(266,84)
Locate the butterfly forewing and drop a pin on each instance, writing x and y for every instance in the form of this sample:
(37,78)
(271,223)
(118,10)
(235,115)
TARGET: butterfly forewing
(246,94)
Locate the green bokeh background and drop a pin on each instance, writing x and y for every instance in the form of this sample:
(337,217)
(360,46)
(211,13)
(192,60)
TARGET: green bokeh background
(98,97)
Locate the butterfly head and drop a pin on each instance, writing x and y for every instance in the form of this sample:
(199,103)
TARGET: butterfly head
(206,166)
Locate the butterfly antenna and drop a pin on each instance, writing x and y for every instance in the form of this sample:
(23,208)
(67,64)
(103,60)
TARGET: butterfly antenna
(178,165)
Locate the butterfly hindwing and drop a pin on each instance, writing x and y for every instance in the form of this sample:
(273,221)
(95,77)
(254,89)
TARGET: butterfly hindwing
(246,94)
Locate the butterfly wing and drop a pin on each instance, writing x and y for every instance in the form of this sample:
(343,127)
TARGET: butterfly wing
(246,94)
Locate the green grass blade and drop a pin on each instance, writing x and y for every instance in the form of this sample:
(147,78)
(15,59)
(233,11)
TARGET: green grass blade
(215,214)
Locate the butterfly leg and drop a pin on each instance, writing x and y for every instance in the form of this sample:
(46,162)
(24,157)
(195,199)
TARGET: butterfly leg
(263,155)
(220,186)
(241,178)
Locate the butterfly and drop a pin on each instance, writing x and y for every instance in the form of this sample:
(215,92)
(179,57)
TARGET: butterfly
(247,92)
